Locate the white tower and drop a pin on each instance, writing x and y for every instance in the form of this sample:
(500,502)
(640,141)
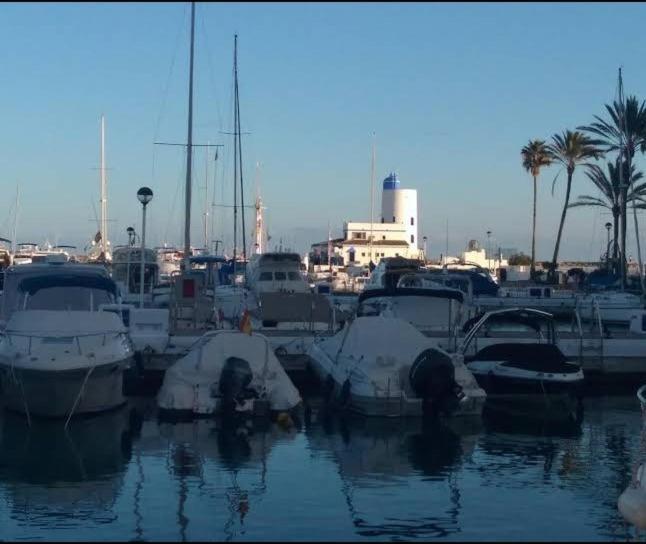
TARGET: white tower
(400,206)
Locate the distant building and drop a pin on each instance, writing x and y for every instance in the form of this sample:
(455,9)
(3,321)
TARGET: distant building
(395,235)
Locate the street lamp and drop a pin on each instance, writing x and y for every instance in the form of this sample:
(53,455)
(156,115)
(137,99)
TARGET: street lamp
(489,248)
(144,195)
(608,227)
(131,242)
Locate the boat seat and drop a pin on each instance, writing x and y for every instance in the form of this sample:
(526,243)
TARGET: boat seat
(528,356)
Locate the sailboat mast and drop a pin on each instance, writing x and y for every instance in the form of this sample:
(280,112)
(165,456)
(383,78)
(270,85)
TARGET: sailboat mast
(15,222)
(206,199)
(104,203)
(189,149)
(239,136)
(235,151)
(629,182)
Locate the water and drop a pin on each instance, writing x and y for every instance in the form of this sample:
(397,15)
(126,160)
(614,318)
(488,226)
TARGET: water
(127,476)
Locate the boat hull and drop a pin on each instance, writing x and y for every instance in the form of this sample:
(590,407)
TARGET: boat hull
(52,393)
(393,406)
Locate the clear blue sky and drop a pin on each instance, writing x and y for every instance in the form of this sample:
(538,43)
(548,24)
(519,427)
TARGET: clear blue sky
(453,91)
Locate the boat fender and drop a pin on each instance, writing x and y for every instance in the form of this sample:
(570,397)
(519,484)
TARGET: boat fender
(284,420)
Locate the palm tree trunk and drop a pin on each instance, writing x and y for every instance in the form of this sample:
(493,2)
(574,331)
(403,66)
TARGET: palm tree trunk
(558,237)
(622,257)
(615,241)
(532,268)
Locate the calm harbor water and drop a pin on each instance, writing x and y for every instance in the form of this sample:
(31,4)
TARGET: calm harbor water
(127,476)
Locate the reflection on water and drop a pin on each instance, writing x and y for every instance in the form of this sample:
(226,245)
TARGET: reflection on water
(128,476)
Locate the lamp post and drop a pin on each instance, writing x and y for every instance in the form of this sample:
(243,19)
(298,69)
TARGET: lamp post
(489,249)
(131,242)
(425,256)
(144,195)
(608,227)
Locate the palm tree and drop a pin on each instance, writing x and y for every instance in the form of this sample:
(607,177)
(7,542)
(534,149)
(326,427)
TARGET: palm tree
(624,132)
(610,187)
(569,149)
(535,156)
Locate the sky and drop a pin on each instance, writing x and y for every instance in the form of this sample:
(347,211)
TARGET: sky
(452,91)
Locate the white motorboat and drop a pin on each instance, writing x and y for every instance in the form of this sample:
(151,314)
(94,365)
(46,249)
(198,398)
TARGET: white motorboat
(227,371)
(383,366)
(59,353)
(632,502)
(536,371)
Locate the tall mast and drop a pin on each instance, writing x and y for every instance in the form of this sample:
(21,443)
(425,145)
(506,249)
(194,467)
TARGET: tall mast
(629,184)
(206,200)
(104,202)
(259,245)
(15,222)
(372,193)
(189,149)
(235,151)
(239,136)
(215,174)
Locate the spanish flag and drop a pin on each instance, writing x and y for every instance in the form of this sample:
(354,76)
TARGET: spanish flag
(245,323)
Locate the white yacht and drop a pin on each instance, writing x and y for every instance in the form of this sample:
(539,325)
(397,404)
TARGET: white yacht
(387,273)
(59,353)
(383,366)
(276,296)
(126,272)
(168,261)
(29,252)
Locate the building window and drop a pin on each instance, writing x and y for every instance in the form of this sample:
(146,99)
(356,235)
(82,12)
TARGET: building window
(382,219)
(412,221)
(412,238)
(363,254)
(358,235)
(396,254)
(393,218)
(383,255)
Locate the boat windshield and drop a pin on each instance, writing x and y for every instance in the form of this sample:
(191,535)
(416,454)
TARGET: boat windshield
(65,293)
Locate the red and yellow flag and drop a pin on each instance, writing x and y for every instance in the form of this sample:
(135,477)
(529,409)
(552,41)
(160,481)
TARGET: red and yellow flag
(245,323)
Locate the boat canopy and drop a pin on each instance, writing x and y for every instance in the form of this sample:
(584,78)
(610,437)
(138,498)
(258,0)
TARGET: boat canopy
(33,284)
(529,317)
(207,259)
(453,294)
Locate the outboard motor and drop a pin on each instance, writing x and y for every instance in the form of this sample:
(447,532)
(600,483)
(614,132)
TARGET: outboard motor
(432,378)
(234,383)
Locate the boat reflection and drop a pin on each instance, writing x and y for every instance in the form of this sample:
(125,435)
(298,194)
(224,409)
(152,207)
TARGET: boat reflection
(399,458)
(213,460)
(52,477)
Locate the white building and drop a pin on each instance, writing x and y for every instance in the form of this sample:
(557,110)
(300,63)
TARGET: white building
(394,236)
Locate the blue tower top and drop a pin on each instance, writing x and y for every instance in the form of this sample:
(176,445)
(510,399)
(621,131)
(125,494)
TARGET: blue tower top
(391,182)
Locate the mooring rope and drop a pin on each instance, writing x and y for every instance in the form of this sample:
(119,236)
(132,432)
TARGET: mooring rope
(78,397)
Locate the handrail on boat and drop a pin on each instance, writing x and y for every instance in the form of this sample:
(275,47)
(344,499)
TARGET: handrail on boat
(641,395)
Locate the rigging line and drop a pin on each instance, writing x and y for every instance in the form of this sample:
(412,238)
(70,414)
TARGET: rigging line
(168,79)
